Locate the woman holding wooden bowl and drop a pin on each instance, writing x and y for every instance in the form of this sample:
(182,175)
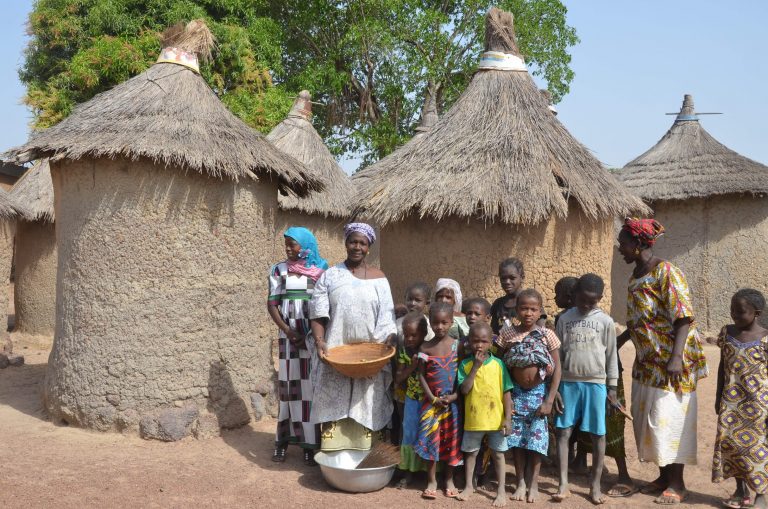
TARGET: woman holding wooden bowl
(352,305)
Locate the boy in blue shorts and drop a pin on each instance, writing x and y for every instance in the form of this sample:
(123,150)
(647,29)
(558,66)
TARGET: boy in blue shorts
(487,389)
(589,375)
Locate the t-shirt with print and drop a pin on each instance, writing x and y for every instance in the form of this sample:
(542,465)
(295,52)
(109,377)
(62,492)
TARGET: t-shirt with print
(484,405)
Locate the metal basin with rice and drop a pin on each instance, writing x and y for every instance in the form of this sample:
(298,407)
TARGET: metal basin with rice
(338,468)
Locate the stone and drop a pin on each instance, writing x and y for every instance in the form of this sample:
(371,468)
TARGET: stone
(169,425)
(4,362)
(207,426)
(258,405)
(113,399)
(16,360)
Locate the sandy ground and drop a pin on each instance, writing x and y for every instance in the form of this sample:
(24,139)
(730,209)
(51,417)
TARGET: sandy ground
(45,465)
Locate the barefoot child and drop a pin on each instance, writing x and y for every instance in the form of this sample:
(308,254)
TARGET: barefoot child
(439,433)
(449,291)
(476,310)
(589,376)
(742,402)
(531,354)
(486,387)
(503,310)
(414,327)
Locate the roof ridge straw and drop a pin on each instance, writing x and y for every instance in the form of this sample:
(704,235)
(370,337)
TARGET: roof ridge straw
(169,115)
(34,192)
(688,162)
(498,155)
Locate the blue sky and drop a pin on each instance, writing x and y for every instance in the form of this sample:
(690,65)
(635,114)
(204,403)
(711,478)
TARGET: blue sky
(634,63)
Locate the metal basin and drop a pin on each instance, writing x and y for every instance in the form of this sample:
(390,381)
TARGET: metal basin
(338,468)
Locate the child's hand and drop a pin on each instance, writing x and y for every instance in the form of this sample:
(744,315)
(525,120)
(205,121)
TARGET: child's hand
(480,357)
(559,405)
(415,360)
(506,428)
(545,409)
(613,402)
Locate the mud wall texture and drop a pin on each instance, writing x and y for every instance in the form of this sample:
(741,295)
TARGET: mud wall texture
(7,230)
(35,285)
(160,297)
(470,252)
(720,243)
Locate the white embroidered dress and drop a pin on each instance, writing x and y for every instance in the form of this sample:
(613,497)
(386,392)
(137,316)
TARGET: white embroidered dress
(358,310)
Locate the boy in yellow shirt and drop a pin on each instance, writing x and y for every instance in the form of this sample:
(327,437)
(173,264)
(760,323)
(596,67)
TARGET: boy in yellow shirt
(487,389)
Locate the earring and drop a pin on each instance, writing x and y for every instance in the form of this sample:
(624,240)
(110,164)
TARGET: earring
(637,251)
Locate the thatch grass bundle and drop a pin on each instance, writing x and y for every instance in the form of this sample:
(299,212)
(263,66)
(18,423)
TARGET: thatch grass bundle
(689,163)
(9,208)
(297,137)
(499,154)
(169,115)
(34,192)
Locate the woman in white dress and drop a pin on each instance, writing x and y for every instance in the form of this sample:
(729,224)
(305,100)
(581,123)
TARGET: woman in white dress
(352,303)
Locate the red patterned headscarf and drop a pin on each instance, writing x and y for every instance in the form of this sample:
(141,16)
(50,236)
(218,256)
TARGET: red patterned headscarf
(645,230)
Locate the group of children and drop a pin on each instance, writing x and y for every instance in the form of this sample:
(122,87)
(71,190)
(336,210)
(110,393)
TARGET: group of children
(474,380)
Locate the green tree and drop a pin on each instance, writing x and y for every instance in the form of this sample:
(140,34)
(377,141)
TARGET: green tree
(79,48)
(375,63)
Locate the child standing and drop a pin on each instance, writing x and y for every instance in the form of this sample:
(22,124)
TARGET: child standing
(486,387)
(742,402)
(531,354)
(439,432)
(589,377)
(414,331)
(564,289)
(476,309)
(449,291)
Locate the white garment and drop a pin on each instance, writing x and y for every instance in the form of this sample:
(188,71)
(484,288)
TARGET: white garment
(665,425)
(358,310)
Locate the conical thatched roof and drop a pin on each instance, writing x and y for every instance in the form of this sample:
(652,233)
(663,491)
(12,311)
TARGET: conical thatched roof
(34,192)
(498,155)
(169,115)
(689,163)
(297,137)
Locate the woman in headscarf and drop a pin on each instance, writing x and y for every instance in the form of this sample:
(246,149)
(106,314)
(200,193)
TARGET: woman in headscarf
(669,360)
(291,283)
(352,303)
(448,290)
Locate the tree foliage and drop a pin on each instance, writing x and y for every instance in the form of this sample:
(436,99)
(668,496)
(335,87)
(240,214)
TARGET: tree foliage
(370,63)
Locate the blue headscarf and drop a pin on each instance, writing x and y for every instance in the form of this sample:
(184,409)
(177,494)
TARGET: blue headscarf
(309,250)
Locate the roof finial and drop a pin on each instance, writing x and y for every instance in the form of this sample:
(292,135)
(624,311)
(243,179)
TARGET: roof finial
(687,111)
(501,51)
(302,106)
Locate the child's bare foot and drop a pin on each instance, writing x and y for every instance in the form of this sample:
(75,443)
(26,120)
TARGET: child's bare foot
(562,493)
(533,493)
(596,495)
(465,495)
(500,500)
(519,494)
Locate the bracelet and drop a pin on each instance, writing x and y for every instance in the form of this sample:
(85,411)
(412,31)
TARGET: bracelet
(434,400)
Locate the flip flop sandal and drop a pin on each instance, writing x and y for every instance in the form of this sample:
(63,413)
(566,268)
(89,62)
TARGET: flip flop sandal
(676,498)
(429,494)
(624,490)
(738,502)
(451,493)
(279,455)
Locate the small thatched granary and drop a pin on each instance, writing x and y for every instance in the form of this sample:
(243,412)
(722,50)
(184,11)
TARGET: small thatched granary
(165,219)
(325,212)
(497,176)
(712,202)
(35,255)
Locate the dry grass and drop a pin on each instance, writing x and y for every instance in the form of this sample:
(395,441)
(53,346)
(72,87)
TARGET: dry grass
(499,154)
(297,137)
(9,209)
(689,163)
(168,115)
(34,192)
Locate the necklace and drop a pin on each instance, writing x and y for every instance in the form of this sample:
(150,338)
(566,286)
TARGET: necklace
(354,269)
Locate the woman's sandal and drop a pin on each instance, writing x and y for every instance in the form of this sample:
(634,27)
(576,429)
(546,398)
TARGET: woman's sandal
(309,458)
(738,502)
(451,493)
(674,497)
(279,455)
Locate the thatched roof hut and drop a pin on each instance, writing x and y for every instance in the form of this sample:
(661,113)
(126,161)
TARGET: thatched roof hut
(323,212)
(165,220)
(713,204)
(497,164)
(35,255)
(9,211)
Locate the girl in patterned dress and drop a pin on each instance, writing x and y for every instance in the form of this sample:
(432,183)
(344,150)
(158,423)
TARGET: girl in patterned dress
(531,354)
(291,283)
(741,444)
(439,437)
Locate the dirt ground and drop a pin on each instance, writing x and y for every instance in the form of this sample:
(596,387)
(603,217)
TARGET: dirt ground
(45,465)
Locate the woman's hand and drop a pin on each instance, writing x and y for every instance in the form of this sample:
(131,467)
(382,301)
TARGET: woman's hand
(545,409)
(292,336)
(322,349)
(675,368)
